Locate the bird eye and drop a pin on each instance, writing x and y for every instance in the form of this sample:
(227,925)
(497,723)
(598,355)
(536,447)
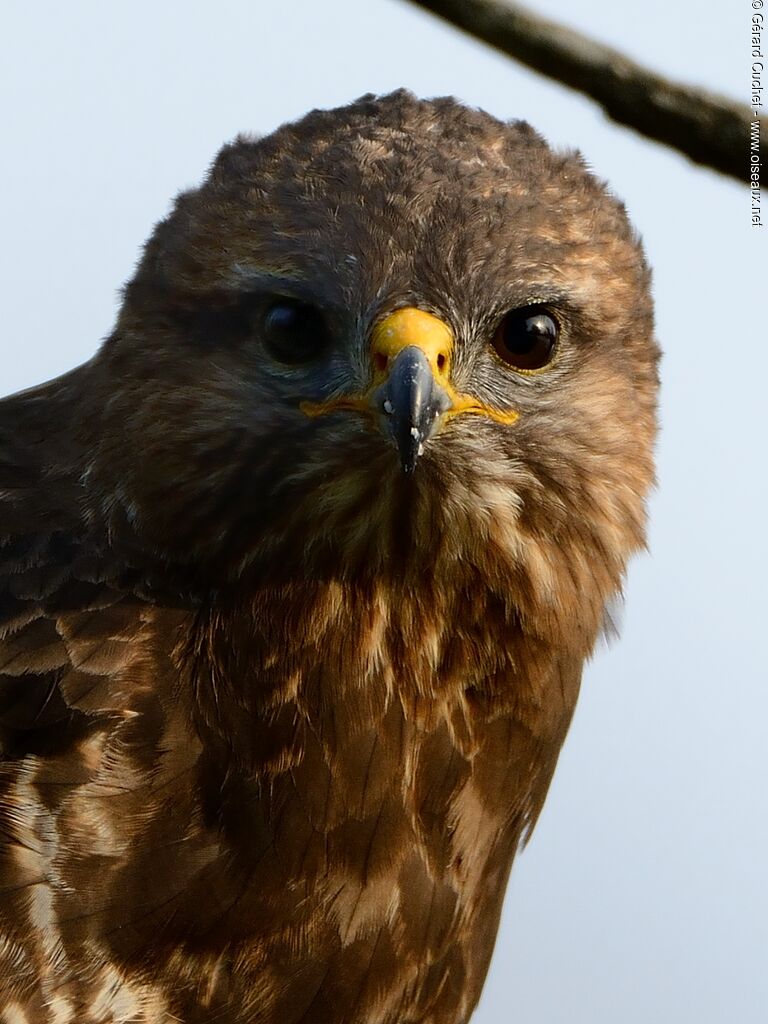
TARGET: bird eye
(526,338)
(294,332)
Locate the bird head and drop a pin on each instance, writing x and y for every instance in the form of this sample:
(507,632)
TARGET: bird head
(389,337)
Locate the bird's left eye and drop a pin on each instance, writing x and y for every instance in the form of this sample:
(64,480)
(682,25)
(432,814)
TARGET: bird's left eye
(294,332)
(526,338)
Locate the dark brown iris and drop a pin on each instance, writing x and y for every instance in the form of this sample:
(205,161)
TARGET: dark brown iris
(526,338)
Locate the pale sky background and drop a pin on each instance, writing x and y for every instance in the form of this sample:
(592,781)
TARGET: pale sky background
(642,895)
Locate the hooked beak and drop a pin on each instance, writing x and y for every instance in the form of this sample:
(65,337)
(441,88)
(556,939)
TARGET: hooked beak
(412,399)
(411,352)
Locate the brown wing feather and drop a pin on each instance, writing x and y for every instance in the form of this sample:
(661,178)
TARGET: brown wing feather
(41,539)
(67,634)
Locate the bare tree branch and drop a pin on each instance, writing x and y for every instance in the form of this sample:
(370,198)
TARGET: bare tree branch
(709,129)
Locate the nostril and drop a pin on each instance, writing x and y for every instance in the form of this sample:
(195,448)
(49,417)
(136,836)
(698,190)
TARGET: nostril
(380,361)
(441,359)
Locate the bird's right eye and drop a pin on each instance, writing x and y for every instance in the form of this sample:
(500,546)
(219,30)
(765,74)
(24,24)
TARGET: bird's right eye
(294,332)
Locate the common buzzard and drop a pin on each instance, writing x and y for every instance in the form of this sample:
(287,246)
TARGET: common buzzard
(299,573)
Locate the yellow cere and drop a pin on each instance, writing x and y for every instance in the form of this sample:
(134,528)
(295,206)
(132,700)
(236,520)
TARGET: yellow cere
(412,327)
(401,329)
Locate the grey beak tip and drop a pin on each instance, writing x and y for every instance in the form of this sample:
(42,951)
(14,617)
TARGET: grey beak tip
(412,400)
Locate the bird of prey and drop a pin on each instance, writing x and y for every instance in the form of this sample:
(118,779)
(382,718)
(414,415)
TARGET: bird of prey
(298,576)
